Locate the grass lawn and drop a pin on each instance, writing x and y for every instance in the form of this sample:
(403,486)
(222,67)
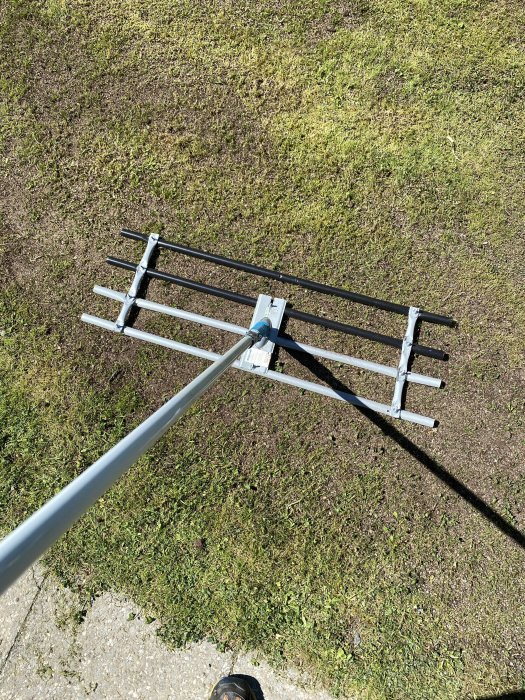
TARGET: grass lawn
(370,144)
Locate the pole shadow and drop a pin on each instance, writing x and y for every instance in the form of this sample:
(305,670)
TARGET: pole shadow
(515,695)
(324,374)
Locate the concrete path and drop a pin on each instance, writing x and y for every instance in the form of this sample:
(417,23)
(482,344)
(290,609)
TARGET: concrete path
(48,649)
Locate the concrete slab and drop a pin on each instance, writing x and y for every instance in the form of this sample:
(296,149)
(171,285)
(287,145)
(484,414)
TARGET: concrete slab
(14,608)
(42,661)
(54,650)
(124,656)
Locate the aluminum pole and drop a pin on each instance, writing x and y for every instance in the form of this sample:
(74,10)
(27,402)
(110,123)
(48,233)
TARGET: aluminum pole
(32,538)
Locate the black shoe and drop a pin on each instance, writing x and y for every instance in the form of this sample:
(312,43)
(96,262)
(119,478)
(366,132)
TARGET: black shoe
(232,688)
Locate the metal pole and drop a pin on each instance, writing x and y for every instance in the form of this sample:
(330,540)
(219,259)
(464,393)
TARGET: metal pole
(32,538)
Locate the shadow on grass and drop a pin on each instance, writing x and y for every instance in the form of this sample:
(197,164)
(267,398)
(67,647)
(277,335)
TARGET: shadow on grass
(515,695)
(323,373)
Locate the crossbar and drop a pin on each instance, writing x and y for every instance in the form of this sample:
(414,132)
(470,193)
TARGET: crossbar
(129,298)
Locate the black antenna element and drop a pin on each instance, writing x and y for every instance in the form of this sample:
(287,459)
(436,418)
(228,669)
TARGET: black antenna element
(292,279)
(289,312)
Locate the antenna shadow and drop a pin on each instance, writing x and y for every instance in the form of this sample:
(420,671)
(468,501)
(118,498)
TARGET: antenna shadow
(515,695)
(324,374)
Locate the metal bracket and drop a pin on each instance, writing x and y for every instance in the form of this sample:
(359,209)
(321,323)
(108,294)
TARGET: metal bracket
(259,356)
(135,284)
(402,371)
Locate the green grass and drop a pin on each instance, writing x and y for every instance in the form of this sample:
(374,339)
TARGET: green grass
(374,145)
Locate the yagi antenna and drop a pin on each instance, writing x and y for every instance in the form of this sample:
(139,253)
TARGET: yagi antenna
(252,353)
